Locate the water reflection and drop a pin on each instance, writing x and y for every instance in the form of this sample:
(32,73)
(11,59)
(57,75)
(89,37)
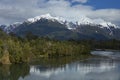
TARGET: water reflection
(97,68)
(109,54)
(91,69)
(13,72)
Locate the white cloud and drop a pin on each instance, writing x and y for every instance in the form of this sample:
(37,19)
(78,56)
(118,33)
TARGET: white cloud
(19,10)
(81,1)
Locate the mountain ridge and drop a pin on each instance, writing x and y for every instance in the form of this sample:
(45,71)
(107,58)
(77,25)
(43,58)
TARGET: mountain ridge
(51,26)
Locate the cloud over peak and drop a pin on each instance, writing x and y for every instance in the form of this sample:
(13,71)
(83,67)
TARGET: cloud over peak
(19,10)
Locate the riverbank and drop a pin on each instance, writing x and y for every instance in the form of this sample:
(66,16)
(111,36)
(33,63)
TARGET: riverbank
(71,68)
(105,50)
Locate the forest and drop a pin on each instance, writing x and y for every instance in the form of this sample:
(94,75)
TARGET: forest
(21,50)
(111,44)
(15,49)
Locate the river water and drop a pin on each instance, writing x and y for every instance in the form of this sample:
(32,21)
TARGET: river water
(105,65)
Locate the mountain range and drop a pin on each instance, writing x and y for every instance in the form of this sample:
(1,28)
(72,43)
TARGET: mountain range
(62,29)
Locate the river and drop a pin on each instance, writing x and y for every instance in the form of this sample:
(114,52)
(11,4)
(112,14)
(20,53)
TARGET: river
(105,65)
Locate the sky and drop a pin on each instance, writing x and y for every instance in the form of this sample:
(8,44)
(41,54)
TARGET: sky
(19,10)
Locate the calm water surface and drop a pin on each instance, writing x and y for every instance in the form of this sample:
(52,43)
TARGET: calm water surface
(105,67)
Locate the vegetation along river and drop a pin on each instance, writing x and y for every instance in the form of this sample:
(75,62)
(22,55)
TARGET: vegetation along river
(104,65)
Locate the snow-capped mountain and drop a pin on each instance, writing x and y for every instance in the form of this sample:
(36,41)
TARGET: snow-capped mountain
(46,16)
(103,23)
(60,28)
(9,28)
(82,21)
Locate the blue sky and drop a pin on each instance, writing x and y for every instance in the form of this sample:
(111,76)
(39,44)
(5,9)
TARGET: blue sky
(104,4)
(19,10)
(101,4)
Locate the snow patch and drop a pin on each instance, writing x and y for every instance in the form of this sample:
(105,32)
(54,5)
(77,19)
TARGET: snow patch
(104,24)
(46,16)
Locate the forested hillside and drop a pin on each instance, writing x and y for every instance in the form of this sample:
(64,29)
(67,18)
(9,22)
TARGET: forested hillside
(20,50)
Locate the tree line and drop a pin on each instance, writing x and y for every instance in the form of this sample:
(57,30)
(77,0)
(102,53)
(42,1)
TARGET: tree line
(19,50)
